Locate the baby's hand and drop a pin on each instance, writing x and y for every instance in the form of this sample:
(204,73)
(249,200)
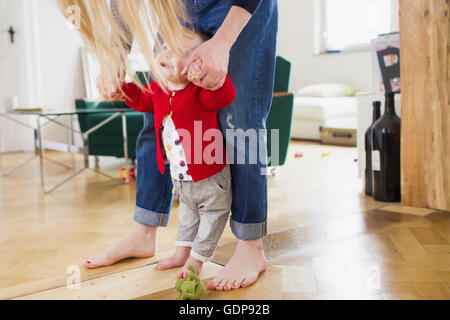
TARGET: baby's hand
(195,71)
(109,93)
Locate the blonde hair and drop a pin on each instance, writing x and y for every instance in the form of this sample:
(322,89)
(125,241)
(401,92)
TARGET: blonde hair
(110,39)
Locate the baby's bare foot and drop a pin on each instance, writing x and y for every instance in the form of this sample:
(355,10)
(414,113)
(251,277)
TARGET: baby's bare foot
(140,243)
(178,259)
(184,272)
(243,269)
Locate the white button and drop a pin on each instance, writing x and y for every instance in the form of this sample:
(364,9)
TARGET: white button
(173,94)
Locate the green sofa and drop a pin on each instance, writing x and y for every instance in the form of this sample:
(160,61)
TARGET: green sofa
(281,112)
(108,140)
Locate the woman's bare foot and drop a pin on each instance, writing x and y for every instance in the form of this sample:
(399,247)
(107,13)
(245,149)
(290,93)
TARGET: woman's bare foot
(178,259)
(243,269)
(140,243)
(184,272)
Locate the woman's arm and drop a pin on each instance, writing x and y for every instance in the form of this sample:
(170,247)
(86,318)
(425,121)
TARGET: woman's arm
(232,26)
(215,53)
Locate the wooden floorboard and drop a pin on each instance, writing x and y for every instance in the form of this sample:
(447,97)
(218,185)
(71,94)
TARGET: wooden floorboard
(408,210)
(268,287)
(129,284)
(35,287)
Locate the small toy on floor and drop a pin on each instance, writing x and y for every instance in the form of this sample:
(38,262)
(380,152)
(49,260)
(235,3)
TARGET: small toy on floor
(191,288)
(123,173)
(298,155)
(325,155)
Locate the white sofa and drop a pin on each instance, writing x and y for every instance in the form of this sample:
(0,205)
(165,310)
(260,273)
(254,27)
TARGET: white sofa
(313,113)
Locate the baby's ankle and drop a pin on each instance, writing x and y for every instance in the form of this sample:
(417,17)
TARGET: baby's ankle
(144,230)
(195,262)
(183,251)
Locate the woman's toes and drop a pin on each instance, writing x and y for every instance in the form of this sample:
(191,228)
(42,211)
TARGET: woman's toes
(245,283)
(227,286)
(237,284)
(212,285)
(220,285)
(90,265)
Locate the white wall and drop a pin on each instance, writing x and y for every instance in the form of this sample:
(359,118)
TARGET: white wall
(59,62)
(46,67)
(296,43)
(17,76)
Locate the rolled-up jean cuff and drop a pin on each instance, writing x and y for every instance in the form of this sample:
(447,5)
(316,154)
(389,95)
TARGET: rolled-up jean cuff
(150,218)
(248,231)
(199,257)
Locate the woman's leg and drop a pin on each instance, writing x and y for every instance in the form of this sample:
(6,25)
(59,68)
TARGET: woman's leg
(252,67)
(153,204)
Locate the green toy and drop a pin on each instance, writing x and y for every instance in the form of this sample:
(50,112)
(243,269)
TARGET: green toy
(190,288)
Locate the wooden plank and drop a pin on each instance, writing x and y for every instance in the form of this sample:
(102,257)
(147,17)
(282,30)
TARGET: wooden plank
(430,290)
(428,236)
(34,287)
(408,210)
(425,62)
(268,287)
(331,296)
(406,243)
(130,284)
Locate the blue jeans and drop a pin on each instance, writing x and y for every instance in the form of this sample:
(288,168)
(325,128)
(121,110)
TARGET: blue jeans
(252,68)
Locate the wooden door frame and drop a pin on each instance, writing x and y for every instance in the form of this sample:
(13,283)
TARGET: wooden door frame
(424,42)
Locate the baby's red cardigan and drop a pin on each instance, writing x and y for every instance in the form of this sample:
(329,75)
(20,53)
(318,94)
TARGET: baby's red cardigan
(187,106)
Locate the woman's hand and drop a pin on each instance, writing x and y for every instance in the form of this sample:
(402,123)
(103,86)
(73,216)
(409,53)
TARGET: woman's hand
(208,65)
(213,56)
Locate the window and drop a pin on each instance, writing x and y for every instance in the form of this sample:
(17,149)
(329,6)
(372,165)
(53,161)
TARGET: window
(350,25)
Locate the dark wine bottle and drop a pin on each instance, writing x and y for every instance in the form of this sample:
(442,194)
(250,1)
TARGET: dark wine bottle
(368,139)
(386,154)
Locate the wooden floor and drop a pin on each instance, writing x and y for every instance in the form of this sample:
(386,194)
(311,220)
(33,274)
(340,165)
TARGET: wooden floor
(327,240)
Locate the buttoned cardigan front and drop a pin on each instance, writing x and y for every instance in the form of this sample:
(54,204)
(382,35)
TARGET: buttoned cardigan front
(194,113)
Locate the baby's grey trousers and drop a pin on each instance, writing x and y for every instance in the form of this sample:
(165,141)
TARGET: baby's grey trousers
(203,213)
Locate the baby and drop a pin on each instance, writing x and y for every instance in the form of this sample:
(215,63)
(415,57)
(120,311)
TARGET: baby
(182,112)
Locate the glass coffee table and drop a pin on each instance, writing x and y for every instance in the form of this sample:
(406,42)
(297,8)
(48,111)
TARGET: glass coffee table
(52,117)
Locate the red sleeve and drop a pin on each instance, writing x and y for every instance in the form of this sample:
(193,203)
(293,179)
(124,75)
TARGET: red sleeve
(219,99)
(137,98)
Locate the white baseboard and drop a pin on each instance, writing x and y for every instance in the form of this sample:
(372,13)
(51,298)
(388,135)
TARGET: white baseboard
(12,152)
